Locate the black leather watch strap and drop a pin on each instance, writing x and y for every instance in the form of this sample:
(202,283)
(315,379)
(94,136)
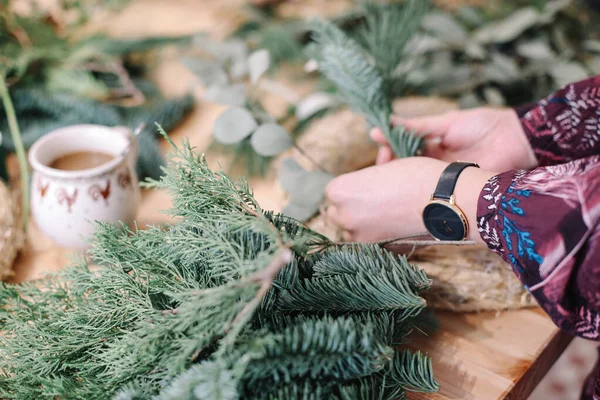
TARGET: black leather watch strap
(447,182)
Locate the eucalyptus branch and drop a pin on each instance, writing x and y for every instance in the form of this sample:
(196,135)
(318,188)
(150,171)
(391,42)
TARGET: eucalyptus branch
(20,149)
(278,89)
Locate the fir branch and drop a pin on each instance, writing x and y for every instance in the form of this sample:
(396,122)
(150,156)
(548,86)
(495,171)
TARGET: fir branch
(390,286)
(300,391)
(337,350)
(413,371)
(365,75)
(370,388)
(228,302)
(387,30)
(370,259)
(209,380)
(264,278)
(346,64)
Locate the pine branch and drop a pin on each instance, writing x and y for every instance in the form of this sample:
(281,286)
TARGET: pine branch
(412,371)
(365,75)
(209,380)
(387,30)
(228,302)
(319,350)
(371,259)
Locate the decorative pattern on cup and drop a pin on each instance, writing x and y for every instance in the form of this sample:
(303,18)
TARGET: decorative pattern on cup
(124,179)
(64,198)
(96,192)
(43,189)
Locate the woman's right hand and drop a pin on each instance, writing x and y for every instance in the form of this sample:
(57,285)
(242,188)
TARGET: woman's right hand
(493,138)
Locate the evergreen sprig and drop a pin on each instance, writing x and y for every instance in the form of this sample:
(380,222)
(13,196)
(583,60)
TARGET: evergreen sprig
(364,69)
(230,301)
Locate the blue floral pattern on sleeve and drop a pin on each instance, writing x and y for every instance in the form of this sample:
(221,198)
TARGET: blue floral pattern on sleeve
(524,244)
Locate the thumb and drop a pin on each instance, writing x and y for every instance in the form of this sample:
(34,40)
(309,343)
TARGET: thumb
(431,126)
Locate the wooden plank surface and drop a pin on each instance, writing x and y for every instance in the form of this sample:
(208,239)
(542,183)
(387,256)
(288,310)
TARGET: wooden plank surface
(485,356)
(491,356)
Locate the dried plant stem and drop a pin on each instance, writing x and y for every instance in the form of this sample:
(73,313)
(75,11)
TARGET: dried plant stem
(20,149)
(264,278)
(423,243)
(409,240)
(309,158)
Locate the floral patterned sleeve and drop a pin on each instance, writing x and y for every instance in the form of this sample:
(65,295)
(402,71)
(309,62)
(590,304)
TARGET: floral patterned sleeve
(566,125)
(546,223)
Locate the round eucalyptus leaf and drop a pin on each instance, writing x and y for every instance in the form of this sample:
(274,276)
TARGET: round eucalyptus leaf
(234,95)
(552,8)
(238,70)
(444,26)
(271,139)
(232,51)
(258,64)
(312,104)
(566,72)
(493,96)
(509,28)
(536,49)
(308,189)
(300,213)
(502,69)
(208,72)
(421,44)
(469,100)
(593,65)
(234,125)
(475,50)
(591,45)
(289,174)
(470,16)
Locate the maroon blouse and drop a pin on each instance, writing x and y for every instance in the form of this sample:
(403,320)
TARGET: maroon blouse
(545,222)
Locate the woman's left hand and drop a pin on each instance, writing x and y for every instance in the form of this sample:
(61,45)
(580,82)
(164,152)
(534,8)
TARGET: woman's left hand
(387,201)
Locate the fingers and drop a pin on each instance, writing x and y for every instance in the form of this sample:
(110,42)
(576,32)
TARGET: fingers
(433,126)
(378,136)
(332,216)
(384,155)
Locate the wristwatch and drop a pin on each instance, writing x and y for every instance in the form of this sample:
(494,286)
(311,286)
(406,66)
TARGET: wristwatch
(442,217)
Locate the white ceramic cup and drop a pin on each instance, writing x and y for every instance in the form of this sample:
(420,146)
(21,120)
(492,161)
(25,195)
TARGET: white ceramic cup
(65,203)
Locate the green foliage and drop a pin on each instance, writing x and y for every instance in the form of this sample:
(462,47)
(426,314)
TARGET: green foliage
(364,70)
(230,73)
(40,112)
(55,80)
(230,301)
(504,53)
(387,29)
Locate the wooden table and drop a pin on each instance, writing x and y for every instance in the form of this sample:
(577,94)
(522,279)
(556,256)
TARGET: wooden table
(483,356)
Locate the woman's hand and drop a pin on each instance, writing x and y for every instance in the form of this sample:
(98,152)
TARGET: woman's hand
(493,138)
(387,201)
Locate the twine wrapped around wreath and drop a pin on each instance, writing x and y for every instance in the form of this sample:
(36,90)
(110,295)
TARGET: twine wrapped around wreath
(465,278)
(11,235)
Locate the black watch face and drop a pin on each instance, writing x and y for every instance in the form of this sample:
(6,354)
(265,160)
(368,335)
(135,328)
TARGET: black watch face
(443,222)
